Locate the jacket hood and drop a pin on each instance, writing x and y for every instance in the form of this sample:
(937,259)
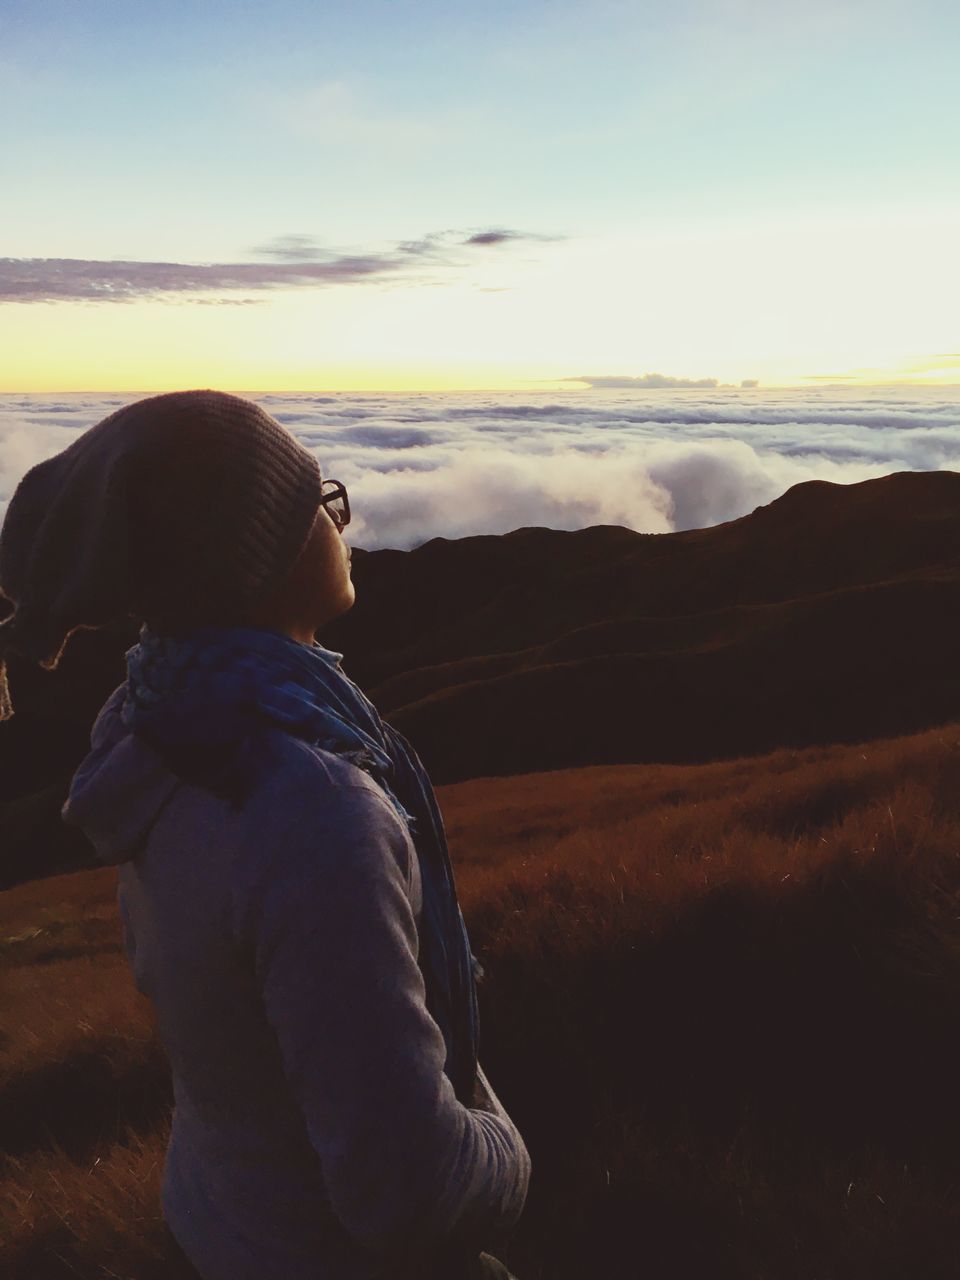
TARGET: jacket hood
(119,789)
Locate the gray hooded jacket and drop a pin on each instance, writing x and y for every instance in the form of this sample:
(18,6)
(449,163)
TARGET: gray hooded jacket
(315,1134)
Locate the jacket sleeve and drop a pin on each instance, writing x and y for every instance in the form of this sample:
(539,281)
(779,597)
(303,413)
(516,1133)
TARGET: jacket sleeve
(335,944)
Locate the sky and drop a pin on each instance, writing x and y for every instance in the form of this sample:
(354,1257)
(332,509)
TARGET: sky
(424,465)
(387,196)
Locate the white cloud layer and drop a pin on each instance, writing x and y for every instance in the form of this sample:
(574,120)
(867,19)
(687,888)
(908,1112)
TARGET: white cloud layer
(451,465)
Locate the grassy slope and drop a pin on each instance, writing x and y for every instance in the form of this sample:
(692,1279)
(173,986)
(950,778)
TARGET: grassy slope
(721,1003)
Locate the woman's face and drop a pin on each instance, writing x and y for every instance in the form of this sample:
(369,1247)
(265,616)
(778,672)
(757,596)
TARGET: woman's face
(317,589)
(328,588)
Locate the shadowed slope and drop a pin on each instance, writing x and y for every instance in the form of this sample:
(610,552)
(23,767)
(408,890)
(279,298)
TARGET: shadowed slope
(843,666)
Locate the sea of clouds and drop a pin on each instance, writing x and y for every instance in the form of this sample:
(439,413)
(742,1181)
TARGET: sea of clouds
(455,464)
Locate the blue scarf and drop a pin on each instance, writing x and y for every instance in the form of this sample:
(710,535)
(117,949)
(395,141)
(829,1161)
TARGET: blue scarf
(202,701)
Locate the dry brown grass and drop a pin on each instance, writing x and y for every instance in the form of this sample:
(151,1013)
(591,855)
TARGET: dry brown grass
(721,1003)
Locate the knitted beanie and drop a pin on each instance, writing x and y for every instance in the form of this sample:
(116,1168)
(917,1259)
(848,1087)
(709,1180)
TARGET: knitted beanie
(183,509)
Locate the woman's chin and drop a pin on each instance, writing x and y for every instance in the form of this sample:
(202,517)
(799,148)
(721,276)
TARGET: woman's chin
(349,596)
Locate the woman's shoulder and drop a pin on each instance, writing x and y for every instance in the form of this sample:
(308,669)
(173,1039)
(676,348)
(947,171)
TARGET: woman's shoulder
(296,775)
(308,808)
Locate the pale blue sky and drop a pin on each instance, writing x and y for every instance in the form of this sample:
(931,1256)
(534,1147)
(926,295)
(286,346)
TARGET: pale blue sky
(197,132)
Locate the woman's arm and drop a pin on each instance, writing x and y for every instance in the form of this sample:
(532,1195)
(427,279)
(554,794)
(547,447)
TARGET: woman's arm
(334,938)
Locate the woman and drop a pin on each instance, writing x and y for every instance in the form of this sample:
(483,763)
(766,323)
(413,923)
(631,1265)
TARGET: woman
(283,878)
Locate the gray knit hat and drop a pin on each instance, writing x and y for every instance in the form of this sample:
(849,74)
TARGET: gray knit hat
(183,508)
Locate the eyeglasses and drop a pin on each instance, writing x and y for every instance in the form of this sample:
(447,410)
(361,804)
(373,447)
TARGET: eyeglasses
(333,496)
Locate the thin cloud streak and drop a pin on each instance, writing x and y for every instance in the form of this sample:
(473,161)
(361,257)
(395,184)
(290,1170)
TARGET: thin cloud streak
(290,248)
(647,382)
(73,279)
(484,238)
(298,262)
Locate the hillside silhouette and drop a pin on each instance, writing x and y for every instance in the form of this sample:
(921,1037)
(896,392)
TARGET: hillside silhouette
(827,615)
